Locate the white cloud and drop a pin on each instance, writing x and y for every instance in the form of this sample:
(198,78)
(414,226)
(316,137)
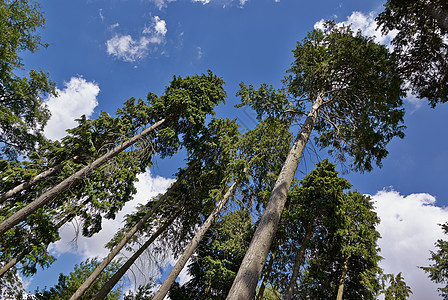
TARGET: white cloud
(147,187)
(76,99)
(409,228)
(124,47)
(202,1)
(161,4)
(365,23)
(128,49)
(101,14)
(200,53)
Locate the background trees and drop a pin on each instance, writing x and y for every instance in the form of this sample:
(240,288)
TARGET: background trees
(438,271)
(22,112)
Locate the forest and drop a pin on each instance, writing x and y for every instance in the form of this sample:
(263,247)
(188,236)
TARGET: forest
(238,216)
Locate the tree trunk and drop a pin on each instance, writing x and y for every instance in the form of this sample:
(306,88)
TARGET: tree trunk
(298,262)
(266,274)
(127,237)
(246,280)
(163,290)
(50,195)
(439,14)
(26,185)
(117,276)
(342,280)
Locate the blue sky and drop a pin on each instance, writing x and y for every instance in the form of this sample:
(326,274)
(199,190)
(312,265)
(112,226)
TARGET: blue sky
(104,52)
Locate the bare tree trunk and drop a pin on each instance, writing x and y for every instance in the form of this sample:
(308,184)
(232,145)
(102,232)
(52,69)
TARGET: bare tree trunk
(163,290)
(127,237)
(342,280)
(298,262)
(266,274)
(117,276)
(50,195)
(246,280)
(439,14)
(26,185)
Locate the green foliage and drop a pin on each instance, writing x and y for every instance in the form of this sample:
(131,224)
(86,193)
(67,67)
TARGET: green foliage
(22,112)
(420,45)
(397,289)
(438,271)
(144,292)
(361,89)
(311,205)
(185,104)
(68,284)
(217,259)
(352,241)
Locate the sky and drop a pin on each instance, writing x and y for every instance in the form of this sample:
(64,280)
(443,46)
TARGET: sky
(103,52)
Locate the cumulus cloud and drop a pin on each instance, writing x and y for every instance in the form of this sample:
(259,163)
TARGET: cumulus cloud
(76,99)
(126,48)
(366,24)
(409,228)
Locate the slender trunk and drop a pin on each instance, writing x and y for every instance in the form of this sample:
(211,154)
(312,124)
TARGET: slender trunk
(298,262)
(127,237)
(22,255)
(163,290)
(439,14)
(342,280)
(50,195)
(26,185)
(246,280)
(266,274)
(117,276)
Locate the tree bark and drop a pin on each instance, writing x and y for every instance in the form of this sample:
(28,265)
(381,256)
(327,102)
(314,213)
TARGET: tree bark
(246,280)
(81,290)
(117,276)
(50,195)
(298,262)
(342,280)
(26,185)
(163,290)
(266,274)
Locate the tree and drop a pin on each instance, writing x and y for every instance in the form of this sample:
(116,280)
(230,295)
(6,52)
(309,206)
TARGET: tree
(184,106)
(22,111)
(310,213)
(438,271)
(354,91)
(398,289)
(217,258)
(346,263)
(420,45)
(67,284)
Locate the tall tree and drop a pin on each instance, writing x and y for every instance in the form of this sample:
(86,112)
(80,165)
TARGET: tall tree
(346,264)
(397,289)
(354,91)
(22,111)
(217,258)
(183,107)
(438,271)
(420,44)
